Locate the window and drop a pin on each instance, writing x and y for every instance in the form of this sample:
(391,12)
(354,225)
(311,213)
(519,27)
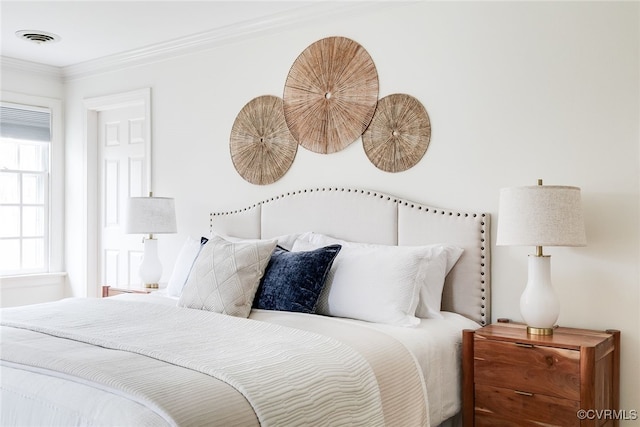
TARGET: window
(25,144)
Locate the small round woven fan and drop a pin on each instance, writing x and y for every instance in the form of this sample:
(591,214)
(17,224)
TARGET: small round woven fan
(262,148)
(330,94)
(399,133)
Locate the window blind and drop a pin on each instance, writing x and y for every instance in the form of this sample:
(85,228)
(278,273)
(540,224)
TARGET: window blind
(21,123)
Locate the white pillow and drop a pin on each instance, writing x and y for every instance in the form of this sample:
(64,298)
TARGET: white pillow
(226,275)
(284,241)
(437,270)
(376,283)
(182,268)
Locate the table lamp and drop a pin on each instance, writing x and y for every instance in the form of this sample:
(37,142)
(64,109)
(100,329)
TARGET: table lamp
(150,215)
(540,215)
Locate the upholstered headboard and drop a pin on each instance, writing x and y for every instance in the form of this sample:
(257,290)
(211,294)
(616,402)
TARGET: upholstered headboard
(374,217)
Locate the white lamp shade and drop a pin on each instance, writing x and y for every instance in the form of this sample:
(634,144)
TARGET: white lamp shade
(540,215)
(151,215)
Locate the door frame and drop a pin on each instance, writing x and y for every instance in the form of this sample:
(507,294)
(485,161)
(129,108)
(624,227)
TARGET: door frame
(91,181)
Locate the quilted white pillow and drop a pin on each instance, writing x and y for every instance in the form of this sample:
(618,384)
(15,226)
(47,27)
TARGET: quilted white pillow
(376,283)
(226,275)
(284,241)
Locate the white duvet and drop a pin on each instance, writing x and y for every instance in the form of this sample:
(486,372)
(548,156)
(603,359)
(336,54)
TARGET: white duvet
(153,364)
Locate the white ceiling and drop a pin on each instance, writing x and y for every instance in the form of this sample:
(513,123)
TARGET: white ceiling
(96,29)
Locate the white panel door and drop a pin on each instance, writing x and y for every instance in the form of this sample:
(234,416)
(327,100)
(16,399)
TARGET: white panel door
(123,165)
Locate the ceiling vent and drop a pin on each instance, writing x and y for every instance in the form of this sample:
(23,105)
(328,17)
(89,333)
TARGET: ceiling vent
(39,37)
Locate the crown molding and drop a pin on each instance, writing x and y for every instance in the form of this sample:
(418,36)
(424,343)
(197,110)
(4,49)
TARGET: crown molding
(21,65)
(317,11)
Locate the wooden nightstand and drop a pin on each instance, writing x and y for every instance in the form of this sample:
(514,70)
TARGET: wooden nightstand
(512,378)
(109,291)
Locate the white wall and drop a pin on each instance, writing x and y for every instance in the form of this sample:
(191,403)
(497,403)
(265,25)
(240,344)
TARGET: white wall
(31,79)
(515,92)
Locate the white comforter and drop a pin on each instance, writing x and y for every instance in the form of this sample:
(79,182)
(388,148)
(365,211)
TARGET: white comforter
(132,363)
(289,376)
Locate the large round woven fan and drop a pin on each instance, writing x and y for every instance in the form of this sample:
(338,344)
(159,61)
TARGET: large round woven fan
(262,148)
(330,94)
(399,133)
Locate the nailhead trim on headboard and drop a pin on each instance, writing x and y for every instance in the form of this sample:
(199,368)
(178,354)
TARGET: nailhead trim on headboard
(348,190)
(483,267)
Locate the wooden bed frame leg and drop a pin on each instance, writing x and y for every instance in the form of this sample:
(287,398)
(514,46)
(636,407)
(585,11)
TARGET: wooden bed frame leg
(468,403)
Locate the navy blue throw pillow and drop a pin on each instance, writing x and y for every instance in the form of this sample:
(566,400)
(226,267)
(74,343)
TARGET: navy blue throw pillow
(293,281)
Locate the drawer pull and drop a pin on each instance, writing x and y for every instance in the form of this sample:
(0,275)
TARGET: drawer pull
(519,344)
(523,393)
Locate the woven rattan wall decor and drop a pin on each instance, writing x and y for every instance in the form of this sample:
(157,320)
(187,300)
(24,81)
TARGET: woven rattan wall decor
(330,100)
(399,133)
(262,148)
(330,94)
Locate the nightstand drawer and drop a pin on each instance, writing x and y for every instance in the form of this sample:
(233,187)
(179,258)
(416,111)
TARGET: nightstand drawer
(528,368)
(496,406)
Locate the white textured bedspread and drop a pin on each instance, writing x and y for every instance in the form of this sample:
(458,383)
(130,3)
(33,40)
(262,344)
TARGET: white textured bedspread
(151,363)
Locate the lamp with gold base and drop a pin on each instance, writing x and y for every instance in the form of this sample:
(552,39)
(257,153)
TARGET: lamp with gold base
(540,215)
(150,215)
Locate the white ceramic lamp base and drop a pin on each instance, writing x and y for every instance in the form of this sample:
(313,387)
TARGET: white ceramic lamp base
(539,304)
(150,266)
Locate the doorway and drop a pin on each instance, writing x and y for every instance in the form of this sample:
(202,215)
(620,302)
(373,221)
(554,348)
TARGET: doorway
(118,154)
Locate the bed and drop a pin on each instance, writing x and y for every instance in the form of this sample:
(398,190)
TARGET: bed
(325,306)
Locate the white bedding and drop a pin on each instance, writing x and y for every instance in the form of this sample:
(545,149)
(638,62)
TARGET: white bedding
(437,347)
(434,343)
(399,394)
